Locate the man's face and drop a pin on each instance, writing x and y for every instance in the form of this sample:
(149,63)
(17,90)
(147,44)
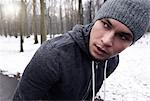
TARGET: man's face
(109,37)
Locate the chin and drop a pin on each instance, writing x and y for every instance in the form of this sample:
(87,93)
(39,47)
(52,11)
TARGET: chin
(100,58)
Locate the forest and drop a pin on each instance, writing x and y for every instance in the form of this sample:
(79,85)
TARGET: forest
(22,18)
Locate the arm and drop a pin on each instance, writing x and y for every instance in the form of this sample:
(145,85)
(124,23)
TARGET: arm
(40,74)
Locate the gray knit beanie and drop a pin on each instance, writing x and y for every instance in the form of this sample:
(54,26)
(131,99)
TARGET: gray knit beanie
(135,14)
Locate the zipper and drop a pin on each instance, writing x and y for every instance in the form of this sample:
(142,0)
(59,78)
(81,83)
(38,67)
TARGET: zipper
(96,64)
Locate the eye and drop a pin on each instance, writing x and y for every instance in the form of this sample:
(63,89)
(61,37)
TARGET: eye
(124,37)
(105,25)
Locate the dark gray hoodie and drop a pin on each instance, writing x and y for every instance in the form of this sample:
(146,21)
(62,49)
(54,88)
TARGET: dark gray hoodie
(61,69)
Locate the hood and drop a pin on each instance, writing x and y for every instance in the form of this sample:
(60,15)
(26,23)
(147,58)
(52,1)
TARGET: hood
(81,35)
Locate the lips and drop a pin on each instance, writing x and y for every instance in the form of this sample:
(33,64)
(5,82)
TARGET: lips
(101,50)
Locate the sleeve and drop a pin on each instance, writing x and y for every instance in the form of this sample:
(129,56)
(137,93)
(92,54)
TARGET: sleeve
(40,74)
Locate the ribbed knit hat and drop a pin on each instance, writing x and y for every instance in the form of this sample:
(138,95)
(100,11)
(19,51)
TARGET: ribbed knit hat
(135,14)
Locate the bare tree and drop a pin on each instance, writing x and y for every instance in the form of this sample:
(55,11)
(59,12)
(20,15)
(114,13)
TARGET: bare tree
(80,12)
(49,25)
(88,12)
(34,22)
(25,19)
(66,16)
(42,21)
(22,24)
(61,18)
(72,13)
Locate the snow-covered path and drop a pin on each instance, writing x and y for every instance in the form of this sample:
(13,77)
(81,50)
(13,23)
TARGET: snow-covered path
(7,87)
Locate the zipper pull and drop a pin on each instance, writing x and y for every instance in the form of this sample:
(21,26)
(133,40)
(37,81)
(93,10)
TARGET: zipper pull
(96,65)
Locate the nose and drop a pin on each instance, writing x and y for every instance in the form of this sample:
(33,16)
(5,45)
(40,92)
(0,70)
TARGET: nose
(107,39)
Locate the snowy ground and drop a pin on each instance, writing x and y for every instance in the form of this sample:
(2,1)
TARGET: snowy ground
(130,81)
(11,60)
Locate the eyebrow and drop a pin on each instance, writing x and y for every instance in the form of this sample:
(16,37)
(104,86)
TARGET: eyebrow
(110,24)
(129,35)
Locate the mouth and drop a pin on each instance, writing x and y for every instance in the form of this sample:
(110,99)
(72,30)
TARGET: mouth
(101,50)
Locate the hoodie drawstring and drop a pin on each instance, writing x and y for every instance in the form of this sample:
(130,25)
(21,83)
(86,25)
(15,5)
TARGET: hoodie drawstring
(93,79)
(105,80)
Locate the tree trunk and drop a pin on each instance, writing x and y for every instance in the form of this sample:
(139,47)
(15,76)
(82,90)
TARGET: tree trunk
(21,43)
(89,12)
(33,22)
(26,33)
(80,12)
(72,22)
(22,17)
(50,18)
(42,22)
(61,19)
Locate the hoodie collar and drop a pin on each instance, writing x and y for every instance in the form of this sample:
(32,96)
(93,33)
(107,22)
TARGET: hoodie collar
(81,35)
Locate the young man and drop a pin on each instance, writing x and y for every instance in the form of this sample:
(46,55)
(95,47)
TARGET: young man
(74,65)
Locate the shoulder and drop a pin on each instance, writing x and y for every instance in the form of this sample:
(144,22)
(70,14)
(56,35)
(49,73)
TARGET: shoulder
(114,61)
(112,64)
(53,48)
(57,42)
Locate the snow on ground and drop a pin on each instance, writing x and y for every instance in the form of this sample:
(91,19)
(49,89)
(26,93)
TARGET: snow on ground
(129,82)
(11,59)
(131,79)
